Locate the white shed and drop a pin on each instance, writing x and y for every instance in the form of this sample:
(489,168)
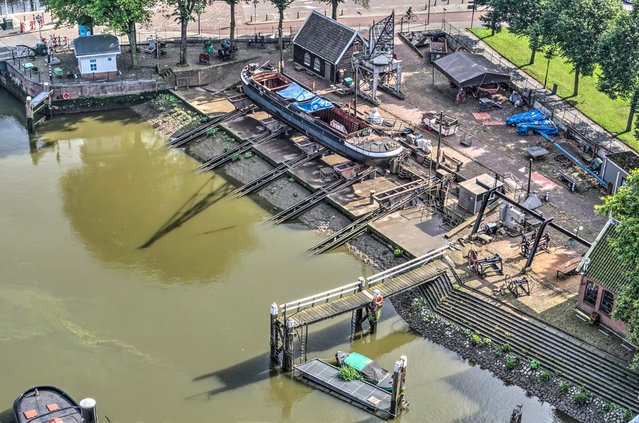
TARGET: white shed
(97,56)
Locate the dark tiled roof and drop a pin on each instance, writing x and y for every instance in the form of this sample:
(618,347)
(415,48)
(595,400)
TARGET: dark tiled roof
(324,37)
(96,44)
(604,266)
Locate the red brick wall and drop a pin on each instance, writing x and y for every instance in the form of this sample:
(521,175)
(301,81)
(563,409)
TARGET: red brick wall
(613,324)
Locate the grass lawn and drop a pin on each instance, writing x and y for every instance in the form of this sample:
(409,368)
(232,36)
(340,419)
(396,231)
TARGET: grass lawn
(610,114)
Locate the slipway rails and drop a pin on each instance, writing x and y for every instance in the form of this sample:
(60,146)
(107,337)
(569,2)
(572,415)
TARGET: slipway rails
(202,130)
(389,201)
(318,196)
(276,173)
(227,156)
(364,299)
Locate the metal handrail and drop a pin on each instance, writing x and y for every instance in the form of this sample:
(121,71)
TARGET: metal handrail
(354,287)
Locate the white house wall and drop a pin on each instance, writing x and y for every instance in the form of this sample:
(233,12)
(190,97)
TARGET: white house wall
(103,64)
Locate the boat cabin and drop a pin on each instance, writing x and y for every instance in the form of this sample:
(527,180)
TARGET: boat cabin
(308,102)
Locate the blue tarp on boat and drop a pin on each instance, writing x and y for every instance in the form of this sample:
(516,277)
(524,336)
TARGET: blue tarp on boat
(295,92)
(529,116)
(318,103)
(545,126)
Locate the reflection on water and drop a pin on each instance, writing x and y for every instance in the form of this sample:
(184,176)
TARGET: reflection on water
(106,231)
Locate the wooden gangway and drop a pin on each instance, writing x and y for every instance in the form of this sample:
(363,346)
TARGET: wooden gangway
(356,295)
(362,298)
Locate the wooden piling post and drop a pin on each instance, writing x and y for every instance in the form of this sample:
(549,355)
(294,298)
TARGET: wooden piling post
(88,410)
(287,364)
(274,355)
(359,313)
(49,109)
(397,394)
(28,108)
(375,310)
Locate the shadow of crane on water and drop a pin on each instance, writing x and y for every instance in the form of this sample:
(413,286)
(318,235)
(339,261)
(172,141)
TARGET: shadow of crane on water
(191,208)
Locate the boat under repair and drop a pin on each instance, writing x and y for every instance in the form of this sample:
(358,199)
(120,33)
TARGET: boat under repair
(318,118)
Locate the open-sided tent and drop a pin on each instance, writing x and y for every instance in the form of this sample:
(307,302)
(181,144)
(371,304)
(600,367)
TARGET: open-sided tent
(470,70)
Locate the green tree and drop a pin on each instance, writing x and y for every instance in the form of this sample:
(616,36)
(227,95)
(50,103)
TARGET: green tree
(577,27)
(119,15)
(522,17)
(184,12)
(495,17)
(335,4)
(624,207)
(122,16)
(281,6)
(619,62)
(232,23)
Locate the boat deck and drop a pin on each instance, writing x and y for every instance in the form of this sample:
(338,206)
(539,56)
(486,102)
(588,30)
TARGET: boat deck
(363,394)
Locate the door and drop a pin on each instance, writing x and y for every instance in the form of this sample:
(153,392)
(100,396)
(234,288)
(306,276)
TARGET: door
(327,71)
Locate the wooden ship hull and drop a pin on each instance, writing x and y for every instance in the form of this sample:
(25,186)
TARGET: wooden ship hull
(317,118)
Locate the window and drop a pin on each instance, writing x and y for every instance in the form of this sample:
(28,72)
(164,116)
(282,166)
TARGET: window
(607,301)
(93,65)
(317,65)
(590,296)
(110,59)
(307,60)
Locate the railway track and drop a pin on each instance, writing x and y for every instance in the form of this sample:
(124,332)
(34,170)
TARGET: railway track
(275,173)
(360,225)
(240,149)
(201,130)
(576,361)
(318,196)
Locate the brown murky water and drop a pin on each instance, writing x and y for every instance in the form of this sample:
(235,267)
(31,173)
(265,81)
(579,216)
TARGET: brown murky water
(129,277)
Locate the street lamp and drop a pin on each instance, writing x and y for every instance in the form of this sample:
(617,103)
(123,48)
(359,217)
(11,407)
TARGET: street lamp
(444,19)
(472,16)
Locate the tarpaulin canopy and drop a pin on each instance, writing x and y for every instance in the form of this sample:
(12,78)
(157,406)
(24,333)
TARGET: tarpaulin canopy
(539,126)
(529,116)
(470,70)
(295,92)
(318,103)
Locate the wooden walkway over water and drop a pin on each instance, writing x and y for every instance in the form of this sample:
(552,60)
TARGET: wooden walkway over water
(359,299)
(364,299)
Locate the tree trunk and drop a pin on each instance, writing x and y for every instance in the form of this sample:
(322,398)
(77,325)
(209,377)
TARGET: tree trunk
(575,90)
(334,12)
(532,56)
(279,33)
(232,25)
(183,27)
(633,108)
(133,43)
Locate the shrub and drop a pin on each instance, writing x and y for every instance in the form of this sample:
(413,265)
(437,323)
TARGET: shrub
(467,332)
(486,341)
(627,414)
(534,364)
(248,155)
(475,339)
(505,347)
(564,386)
(348,373)
(511,362)
(235,157)
(211,132)
(545,376)
(582,397)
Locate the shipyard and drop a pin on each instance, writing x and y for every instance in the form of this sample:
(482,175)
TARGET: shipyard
(315,211)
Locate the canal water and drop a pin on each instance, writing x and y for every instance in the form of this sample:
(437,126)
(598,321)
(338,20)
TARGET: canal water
(129,277)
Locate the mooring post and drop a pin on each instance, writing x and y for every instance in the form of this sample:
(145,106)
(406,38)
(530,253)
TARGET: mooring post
(49,109)
(359,313)
(274,315)
(28,108)
(517,414)
(397,394)
(287,364)
(376,310)
(88,410)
